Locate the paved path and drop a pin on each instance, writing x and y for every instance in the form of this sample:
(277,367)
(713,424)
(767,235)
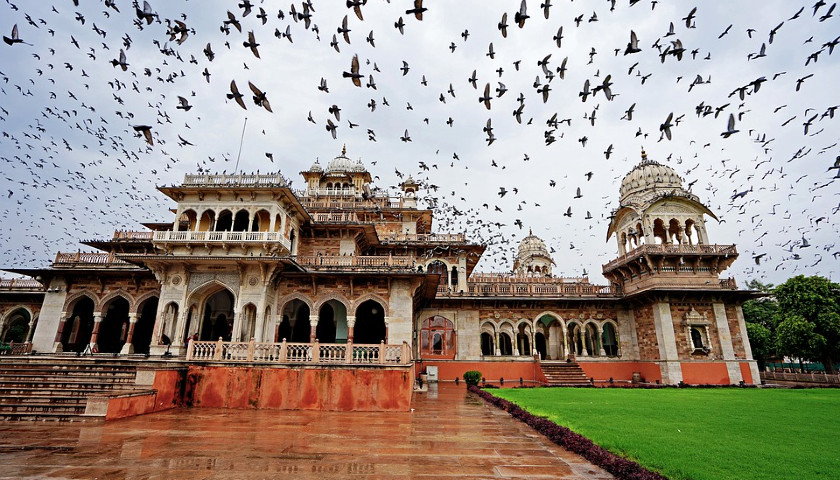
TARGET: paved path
(450,434)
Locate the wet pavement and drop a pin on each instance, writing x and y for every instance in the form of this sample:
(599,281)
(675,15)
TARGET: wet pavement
(450,434)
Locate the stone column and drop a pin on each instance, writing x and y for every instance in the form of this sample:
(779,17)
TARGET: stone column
(498,350)
(313,328)
(565,340)
(742,327)
(670,368)
(97,320)
(351,324)
(128,348)
(600,341)
(57,346)
(387,322)
(30,331)
(515,344)
(733,366)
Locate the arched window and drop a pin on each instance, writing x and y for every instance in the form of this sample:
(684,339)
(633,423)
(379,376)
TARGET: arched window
(240,221)
(609,340)
(591,340)
(697,338)
(187,221)
(207,220)
(437,337)
(505,345)
(224,221)
(487,347)
(674,231)
(659,234)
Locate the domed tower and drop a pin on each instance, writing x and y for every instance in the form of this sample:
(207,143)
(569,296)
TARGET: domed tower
(342,177)
(409,188)
(660,229)
(532,259)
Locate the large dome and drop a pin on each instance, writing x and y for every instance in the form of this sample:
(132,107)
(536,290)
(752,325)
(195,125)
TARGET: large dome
(343,164)
(649,175)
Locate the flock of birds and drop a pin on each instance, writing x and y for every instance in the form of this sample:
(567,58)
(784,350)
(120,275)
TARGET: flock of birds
(510,116)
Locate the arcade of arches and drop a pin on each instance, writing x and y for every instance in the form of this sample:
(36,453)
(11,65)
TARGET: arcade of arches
(551,338)
(16,326)
(115,329)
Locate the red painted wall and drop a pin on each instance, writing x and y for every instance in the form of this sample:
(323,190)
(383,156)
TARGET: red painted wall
(705,373)
(337,389)
(621,371)
(492,371)
(746,374)
(122,407)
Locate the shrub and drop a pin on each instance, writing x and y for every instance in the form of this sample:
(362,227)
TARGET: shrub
(472,377)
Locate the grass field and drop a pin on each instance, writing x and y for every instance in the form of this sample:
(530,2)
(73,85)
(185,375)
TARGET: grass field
(703,434)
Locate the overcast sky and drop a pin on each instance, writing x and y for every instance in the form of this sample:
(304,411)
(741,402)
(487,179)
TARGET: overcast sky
(73,169)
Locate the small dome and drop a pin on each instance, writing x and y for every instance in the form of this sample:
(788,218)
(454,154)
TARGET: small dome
(532,245)
(649,175)
(316,167)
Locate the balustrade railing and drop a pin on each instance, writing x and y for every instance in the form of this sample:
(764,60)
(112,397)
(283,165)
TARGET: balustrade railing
(130,235)
(191,180)
(357,262)
(652,249)
(87,258)
(335,217)
(425,238)
(20,283)
(220,237)
(298,353)
(511,289)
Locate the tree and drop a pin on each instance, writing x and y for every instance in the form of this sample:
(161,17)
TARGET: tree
(760,315)
(809,319)
(762,342)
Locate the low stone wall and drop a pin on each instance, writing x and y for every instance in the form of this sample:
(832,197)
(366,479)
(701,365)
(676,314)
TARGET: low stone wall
(807,379)
(331,388)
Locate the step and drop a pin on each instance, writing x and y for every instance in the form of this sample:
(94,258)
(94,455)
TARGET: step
(43,408)
(53,399)
(48,417)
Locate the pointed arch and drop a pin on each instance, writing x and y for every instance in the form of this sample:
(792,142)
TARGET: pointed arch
(206,289)
(370,296)
(139,301)
(103,303)
(71,300)
(281,303)
(332,296)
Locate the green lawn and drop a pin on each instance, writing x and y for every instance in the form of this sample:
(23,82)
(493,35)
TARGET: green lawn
(703,434)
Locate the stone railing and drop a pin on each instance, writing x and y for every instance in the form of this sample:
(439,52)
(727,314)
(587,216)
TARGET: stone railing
(87,258)
(728,283)
(523,289)
(220,237)
(298,353)
(129,235)
(12,348)
(241,180)
(681,249)
(813,377)
(323,202)
(369,262)
(20,284)
(424,238)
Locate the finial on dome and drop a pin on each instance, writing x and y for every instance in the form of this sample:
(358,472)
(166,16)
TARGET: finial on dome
(344,150)
(530,231)
(644,155)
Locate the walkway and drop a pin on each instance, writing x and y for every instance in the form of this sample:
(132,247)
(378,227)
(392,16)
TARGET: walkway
(450,434)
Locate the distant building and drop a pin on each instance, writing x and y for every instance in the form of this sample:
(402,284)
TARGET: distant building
(247,257)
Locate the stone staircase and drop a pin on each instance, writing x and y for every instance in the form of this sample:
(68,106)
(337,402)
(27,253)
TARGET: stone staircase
(57,389)
(564,374)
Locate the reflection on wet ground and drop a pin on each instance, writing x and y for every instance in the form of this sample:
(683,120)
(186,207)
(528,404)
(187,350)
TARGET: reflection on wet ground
(450,433)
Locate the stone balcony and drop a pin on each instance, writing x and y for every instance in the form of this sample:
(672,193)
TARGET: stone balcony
(225,238)
(132,236)
(88,259)
(672,250)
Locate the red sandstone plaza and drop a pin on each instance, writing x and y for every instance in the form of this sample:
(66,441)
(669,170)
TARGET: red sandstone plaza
(335,297)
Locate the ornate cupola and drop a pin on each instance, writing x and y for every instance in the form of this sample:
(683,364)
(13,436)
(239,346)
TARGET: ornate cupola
(409,188)
(660,229)
(532,258)
(341,178)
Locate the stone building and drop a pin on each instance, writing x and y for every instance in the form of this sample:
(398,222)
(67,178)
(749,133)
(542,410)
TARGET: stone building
(247,259)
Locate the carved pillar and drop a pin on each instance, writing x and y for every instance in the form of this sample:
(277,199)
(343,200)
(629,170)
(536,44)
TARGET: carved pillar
(565,340)
(515,343)
(97,321)
(313,327)
(498,350)
(600,341)
(387,321)
(30,331)
(351,324)
(57,346)
(128,347)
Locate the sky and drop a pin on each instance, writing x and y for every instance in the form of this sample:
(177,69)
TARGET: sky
(73,168)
